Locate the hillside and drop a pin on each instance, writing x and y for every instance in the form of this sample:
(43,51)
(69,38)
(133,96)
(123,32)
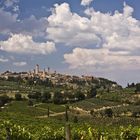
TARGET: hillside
(109,106)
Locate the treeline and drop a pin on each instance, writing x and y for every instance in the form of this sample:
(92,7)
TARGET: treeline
(136,86)
(61,97)
(31,81)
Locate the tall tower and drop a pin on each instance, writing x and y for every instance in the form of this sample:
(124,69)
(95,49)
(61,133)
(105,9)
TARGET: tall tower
(48,70)
(44,73)
(37,69)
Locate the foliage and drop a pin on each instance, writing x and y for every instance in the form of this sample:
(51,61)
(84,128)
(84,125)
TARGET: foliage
(93,92)
(109,112)
(58,98)
(30,103)
(75,120)
(82,132)
(14,132)
(45,96)
(138,87)
(79,95)
(18,97)
(4,99)
(47,133)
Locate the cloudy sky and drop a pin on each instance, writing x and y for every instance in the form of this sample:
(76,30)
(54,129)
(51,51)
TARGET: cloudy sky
(79,37)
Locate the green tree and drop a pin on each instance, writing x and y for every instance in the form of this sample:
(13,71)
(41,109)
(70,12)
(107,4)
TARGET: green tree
(45,96)
(66,113)
(108,112)
(75,120)
(138,87)
(48,111)
(18,97)
(30,103)
(58,98)
(92,92)
(34,95)
(79,95)
(4,99)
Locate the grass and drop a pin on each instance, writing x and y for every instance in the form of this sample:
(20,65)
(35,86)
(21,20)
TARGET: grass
(53,107)
(21,113)
(94,103)
(21,107)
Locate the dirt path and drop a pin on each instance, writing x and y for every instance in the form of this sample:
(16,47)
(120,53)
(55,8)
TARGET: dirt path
(108,107)
(81,110)
(52,115)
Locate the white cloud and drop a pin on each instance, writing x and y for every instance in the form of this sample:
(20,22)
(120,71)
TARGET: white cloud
(3,59)
(69,28)
(102,59)
(20,64)
(86,2)
(114,39)
(22,44)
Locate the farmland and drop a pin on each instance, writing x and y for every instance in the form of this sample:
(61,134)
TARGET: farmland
(90,114)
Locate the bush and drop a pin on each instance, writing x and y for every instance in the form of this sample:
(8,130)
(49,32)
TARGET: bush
(109,112)
(14,132)
(30,103)
(79,95)
(4,99)
(75,120)
(18,97)
(34,95)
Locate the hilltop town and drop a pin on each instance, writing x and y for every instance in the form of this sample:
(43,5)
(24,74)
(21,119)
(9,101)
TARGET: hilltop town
(55,78)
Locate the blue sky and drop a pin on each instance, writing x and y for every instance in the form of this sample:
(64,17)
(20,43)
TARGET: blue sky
(90,37)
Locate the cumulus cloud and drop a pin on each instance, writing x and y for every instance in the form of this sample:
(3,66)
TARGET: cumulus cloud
(19,43)
(113,39)
(70,28)
(86,2)
(20,64)
(102,59)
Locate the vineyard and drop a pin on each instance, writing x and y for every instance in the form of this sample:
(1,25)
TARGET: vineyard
(12,131)
(113,115)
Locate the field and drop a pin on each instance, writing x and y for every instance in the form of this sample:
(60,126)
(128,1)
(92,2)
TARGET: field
(87,118)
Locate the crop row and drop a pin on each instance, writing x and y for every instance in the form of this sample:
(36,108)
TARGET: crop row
(86,132)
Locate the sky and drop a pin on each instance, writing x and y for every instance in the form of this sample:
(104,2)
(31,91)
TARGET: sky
(79,37)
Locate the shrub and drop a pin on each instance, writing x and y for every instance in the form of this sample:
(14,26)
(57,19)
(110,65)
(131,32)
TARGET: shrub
(30,103)
(109,112)
(18,97)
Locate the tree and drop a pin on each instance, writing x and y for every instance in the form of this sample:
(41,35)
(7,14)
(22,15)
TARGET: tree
(75,120)
(4,99)
(48,111)
(79,95)
(66,113)
(30,103)
(92,92)
(138,87)
(45,96)
(18,97)
(34,95)
(58,98)
(109,112)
